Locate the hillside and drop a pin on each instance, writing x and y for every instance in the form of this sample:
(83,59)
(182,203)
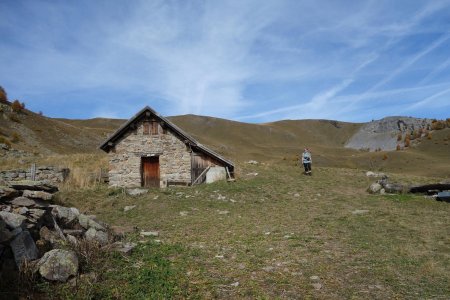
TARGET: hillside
(276,142)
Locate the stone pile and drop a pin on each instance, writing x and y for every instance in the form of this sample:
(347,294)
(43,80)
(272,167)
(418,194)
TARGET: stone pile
(33,229)
(383,186)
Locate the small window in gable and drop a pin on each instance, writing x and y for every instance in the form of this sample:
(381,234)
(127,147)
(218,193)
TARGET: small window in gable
(146,126)
(154,127)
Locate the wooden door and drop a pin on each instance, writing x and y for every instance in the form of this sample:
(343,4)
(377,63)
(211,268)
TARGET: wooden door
(150,171)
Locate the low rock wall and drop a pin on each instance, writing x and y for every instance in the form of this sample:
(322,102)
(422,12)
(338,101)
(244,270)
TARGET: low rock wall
(48,173)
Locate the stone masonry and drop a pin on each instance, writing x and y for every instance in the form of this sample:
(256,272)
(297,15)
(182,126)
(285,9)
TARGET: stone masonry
(48,173)
(125,158)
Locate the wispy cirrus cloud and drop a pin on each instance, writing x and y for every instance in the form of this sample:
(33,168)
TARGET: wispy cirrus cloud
(254,61)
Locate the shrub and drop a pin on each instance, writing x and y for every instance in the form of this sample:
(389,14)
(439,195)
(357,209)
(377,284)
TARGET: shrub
(15,137)
(385,157)
(429,136)
(16,106)
(448,122)
(5,141)
(14,119)
(407,141)
(438,125)
(398,147)
(399,137)
(3,95)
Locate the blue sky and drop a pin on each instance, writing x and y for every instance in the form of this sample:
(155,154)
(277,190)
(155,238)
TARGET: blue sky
(246,60)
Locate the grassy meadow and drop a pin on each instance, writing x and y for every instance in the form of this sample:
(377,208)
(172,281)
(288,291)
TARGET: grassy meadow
(274,235)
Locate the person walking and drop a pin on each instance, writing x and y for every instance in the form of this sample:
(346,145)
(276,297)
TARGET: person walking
(307,160)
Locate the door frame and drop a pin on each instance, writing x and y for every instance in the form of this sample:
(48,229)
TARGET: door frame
(150,157)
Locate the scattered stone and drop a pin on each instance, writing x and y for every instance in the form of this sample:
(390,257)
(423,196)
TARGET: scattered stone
(87,222)
(296,195)
(360,211)
(317,286)
(37,195)
(252,162)
(252,174)
(24,248)
(23,210)
(183,213)
(122,247)
(149,233)
(129,207)
(314,277)
(12,220)
(98,236)
(219,256)
(136,192)
(221,197)
(223,212)
(58,265)
(235,284)
(374,188)
(23,201)
(268,269)
(393,188)
(66,215)
(73,240)
(373,174)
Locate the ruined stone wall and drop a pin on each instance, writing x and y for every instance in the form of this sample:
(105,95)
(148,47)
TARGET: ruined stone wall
(125,158)
(49,173)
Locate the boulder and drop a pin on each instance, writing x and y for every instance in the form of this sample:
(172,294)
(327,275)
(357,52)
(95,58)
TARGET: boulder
(58,265)
(49,236)
(65,215)
(23,201)
(7,193)
(98,236)
(34,186)
(24,248)
(393,188)
(37,195)
(87,222)
(136,192)
(12,220)
(374,188)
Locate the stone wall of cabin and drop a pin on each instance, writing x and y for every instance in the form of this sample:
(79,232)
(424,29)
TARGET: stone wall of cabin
(125,158)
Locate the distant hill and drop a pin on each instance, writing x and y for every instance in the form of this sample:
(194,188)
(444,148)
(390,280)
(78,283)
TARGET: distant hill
(331,142)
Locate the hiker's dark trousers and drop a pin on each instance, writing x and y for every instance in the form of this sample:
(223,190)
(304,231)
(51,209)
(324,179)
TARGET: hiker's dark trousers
(307,167)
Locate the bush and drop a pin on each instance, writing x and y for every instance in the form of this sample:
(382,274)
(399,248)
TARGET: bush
(15,137)
(3,95)
(429,136)
(14,119)
(16,106)
(398,147)
(399,137)
(385,157)
(448,122)
(407,141)
(438,125)
(5,141)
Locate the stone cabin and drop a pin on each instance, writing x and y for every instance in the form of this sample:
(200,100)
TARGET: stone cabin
(150,151)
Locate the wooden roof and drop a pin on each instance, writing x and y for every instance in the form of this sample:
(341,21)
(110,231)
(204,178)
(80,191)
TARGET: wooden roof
(187,139)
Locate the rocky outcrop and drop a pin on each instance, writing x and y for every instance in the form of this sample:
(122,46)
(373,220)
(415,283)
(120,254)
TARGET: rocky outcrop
(383,134)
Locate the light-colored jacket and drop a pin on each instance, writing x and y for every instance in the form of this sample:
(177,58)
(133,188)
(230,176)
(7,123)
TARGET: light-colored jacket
(306,157)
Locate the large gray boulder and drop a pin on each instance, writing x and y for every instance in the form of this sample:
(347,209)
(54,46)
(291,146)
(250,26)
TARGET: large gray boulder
(58,265)
(12,220)
(24,248)
(374,188)
(33,186)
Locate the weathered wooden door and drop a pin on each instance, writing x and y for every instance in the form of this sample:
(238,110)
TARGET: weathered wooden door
(150,171)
